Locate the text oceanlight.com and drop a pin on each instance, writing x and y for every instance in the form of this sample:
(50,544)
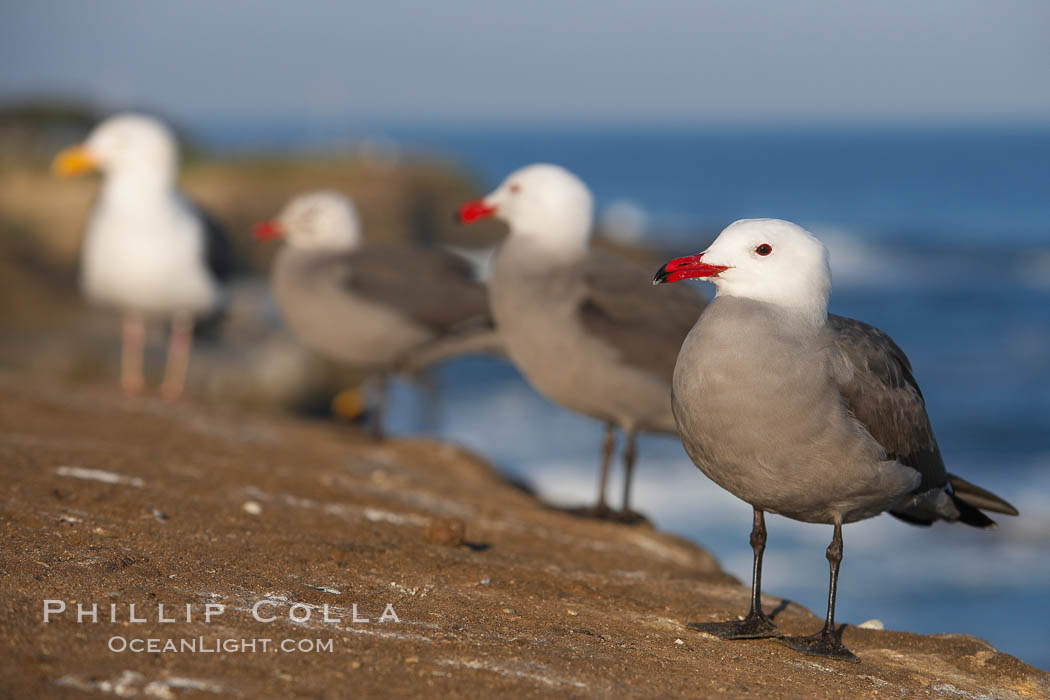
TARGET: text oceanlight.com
(203,645)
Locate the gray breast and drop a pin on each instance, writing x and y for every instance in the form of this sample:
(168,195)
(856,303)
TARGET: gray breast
(760,414)
(548,316)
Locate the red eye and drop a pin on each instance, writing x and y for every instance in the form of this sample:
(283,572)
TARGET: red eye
(764,249)
(515,188)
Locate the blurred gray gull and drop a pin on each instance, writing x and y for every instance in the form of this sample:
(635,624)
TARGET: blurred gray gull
(148,251)
(581,324)
(812,416)
(377,307)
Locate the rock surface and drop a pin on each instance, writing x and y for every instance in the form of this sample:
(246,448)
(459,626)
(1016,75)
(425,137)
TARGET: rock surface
(112,501)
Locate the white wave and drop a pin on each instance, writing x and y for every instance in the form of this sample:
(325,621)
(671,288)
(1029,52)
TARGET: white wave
(884,557)
(1033,269)
(858,261)
(557,453)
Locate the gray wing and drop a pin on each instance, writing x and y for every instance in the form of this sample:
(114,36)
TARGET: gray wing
(432,286)
(878,385)
(645,324)
(884,396)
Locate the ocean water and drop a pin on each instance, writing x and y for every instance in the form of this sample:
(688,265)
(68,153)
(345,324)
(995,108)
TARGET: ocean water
(941,237)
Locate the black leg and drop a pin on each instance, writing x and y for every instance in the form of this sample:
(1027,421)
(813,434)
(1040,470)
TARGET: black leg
(629,453)
(826,642)
(430,406)
(756,625)
(378,427)
(601,510)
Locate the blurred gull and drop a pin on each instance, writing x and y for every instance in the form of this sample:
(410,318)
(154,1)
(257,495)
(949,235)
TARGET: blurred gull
(812,416)
(148,251)
(580,324)
(379,307)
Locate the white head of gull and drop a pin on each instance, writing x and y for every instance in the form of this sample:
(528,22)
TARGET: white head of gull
(134,147)
(767,260)
(543,202)
(324,220)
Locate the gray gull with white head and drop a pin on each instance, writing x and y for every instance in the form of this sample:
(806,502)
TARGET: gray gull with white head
(378,307)
(579,323)
(798,412)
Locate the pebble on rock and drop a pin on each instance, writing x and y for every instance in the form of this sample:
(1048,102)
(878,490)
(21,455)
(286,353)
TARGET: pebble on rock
(446,532)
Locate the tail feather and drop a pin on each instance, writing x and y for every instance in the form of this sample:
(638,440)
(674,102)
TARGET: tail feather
(969,515)
(959,501)
(977,497)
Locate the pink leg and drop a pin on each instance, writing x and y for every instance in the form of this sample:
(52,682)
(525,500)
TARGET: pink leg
(134,332)
(178,357)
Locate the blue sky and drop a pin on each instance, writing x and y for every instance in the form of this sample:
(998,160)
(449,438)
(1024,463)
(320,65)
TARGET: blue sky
(621,61)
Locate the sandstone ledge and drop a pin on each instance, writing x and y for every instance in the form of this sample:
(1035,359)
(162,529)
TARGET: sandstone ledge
(496,593)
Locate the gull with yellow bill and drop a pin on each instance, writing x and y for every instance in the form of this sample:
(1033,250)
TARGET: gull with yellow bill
(148,251)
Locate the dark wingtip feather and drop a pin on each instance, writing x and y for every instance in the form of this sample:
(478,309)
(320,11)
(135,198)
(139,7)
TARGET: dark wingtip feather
(977,497)
(972,516)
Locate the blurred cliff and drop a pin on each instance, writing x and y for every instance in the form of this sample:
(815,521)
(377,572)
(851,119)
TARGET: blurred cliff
(46,329)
